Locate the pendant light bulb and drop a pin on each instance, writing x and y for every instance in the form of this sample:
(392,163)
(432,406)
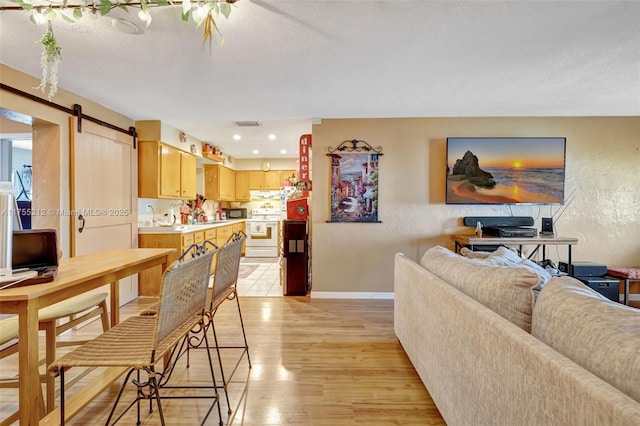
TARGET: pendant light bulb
(200,13)
(39,17)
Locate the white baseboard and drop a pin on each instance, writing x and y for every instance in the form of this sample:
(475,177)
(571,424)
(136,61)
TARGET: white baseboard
(373,295)
(349,295)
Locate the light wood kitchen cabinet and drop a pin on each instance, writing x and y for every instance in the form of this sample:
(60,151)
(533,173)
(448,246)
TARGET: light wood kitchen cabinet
(187,178)
(272,179)
(149,280)
(165,171)
(237,227)
(169,171)
(210,235)
(219,183)
(256,179)
(224,232)
(265,180)
(287,174)
(242,185)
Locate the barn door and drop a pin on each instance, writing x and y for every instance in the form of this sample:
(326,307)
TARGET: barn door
(103,194)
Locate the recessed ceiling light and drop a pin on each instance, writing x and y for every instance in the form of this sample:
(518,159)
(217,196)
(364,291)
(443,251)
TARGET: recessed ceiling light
(272,137)
(283,151)
(255,151)
(237,137)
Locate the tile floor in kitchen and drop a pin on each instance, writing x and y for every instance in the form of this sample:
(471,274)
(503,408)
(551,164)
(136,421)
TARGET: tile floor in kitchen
(259,276)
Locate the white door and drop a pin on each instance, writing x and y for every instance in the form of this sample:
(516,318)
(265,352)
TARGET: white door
(103,194)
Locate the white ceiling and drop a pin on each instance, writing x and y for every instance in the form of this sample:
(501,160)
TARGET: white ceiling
(285,62)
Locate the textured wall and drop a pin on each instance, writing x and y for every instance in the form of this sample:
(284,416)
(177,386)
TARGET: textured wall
(603,169)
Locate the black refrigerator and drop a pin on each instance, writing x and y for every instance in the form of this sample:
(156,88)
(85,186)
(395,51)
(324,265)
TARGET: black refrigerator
(295,257)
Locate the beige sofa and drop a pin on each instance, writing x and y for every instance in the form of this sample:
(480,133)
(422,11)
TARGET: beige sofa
(484,369)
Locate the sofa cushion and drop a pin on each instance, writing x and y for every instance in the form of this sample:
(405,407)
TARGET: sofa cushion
(600,335)
(506,290)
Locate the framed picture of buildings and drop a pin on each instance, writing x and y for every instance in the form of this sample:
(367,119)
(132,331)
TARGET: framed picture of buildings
(354,187)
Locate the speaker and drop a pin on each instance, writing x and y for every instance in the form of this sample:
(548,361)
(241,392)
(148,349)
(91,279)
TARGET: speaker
(583,269)
(498,221)
(547,227)
(605,286)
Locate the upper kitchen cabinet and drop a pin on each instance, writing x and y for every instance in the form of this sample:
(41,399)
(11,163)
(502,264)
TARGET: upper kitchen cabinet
(288,174)
(219,183)
(165,171)
(265,180)
(272,179)
(256,179)
(242,185)
(187,175)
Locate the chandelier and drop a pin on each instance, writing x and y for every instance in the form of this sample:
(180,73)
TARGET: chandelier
(71,11)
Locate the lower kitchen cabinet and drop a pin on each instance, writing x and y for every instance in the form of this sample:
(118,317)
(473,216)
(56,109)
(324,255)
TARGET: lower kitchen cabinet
(149,280)
(224,232)
(237,227)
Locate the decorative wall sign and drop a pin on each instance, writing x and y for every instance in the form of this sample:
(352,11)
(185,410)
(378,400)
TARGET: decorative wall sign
(354,182)
(304,177)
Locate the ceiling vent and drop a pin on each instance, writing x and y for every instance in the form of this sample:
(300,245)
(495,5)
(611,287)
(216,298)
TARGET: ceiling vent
(247,123)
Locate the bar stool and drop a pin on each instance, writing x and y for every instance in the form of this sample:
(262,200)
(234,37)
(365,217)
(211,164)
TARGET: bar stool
(49,317)
(140,342)
(225,277)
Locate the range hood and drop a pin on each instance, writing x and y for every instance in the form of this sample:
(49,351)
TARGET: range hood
(264,195)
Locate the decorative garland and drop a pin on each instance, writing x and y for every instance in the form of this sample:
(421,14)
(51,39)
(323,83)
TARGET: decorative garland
(49,61)
(200,11)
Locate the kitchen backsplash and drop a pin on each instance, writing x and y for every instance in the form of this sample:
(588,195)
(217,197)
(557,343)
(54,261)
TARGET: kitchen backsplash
(162,207)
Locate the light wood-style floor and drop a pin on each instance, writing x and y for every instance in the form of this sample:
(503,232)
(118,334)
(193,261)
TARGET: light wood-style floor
(315,362)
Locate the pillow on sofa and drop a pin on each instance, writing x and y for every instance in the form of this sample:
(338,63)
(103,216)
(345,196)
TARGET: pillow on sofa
(505,257)
(506,290)
(600,335)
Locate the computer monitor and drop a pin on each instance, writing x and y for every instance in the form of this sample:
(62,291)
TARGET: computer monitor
(35,248)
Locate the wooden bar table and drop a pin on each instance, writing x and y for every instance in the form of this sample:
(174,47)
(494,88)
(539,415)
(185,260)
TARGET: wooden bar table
(76,275)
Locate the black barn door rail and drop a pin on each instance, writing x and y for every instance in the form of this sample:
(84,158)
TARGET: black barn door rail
(76,111)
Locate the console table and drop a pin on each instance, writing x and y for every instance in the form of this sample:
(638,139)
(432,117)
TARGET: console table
(471,240)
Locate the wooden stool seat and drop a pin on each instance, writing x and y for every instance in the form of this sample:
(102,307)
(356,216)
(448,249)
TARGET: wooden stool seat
(8,329)
(66,308)
(71,306)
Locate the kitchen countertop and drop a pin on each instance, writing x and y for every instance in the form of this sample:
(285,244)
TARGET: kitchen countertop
(185,229)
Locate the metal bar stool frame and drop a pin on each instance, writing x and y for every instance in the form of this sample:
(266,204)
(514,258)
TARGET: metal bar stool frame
(225,277)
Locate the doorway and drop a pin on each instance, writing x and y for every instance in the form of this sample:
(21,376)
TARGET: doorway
(259,277)
(16,164)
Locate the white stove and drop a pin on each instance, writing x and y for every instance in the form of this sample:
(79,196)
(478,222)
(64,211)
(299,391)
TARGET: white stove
(265,214)
(262,232)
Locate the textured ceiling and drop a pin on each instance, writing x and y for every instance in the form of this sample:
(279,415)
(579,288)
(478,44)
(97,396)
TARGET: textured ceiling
(286,62)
